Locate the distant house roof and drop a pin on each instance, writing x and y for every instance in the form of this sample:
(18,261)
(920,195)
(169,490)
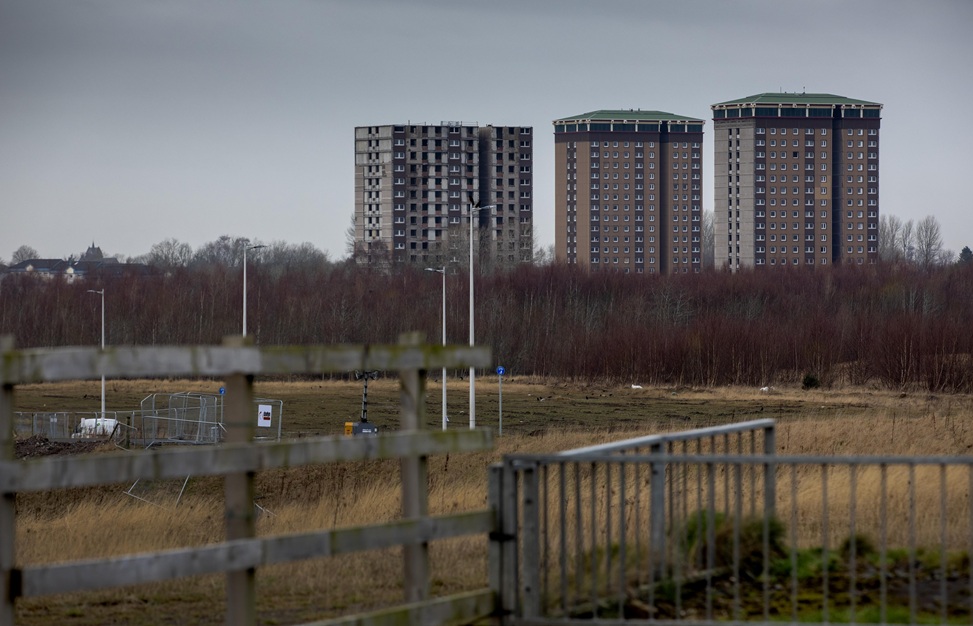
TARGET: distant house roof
(41,266)
(77,269)
(111,267)
(89,267)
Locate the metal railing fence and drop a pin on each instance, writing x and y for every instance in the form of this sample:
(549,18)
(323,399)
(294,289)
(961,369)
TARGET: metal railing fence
(846,539)
(750,437)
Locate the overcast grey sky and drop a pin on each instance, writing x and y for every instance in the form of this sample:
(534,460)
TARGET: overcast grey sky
(126,122)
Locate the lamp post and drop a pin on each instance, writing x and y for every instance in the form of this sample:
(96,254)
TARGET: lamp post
(443,272)
(473,208)
(245,248)
(101,292)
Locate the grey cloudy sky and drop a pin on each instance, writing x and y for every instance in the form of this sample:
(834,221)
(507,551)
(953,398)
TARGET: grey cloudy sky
(126,122)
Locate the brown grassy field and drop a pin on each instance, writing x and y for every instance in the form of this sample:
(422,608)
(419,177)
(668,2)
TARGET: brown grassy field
(538,416)
(530,407)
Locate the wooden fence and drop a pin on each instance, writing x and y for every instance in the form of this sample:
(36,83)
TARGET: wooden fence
(238,460)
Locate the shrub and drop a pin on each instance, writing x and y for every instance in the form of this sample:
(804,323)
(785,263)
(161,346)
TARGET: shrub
(864,547)
(750,535)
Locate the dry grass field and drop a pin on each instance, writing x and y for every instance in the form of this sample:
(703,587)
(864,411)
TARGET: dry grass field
(538,416)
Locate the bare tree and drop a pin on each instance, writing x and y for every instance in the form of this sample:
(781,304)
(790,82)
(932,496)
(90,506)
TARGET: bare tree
(946,257)
(889,233)
(351,237)
(709,240)
(928,242)
(307,254)
(544,256)
(920,243)
(907,241)
(170,254)
(23,253)
(283,256)
(226,251)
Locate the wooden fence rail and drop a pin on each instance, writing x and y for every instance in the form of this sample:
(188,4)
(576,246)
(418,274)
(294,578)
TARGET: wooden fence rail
(238,460)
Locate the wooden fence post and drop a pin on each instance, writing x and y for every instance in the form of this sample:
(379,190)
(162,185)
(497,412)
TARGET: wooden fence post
(510,561)
(495,546)
(238,492)
(415,483)
(8,509)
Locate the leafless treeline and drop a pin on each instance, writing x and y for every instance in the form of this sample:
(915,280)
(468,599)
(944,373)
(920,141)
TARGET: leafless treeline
(895,324)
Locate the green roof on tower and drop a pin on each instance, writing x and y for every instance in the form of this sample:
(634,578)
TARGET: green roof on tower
(628,115)
(821,99)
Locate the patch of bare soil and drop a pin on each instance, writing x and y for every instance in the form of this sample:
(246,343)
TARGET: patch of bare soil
(37,446)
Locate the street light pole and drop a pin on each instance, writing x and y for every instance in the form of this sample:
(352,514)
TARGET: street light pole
(473,208)
(101,292)
(245,248)
(443,272)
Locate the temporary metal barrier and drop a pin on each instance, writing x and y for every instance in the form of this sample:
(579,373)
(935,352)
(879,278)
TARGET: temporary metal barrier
(183,417)
(66,425)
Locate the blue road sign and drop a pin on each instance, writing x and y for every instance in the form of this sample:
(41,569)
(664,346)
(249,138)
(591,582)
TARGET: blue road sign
(500,370)
(222,390)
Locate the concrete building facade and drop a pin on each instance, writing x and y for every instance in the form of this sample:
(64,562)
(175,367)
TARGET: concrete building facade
(414,184)
(628,191)
(796,180)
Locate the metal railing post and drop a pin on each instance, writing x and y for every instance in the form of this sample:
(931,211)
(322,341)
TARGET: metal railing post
(657,512)
(532,542)
(770,472)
